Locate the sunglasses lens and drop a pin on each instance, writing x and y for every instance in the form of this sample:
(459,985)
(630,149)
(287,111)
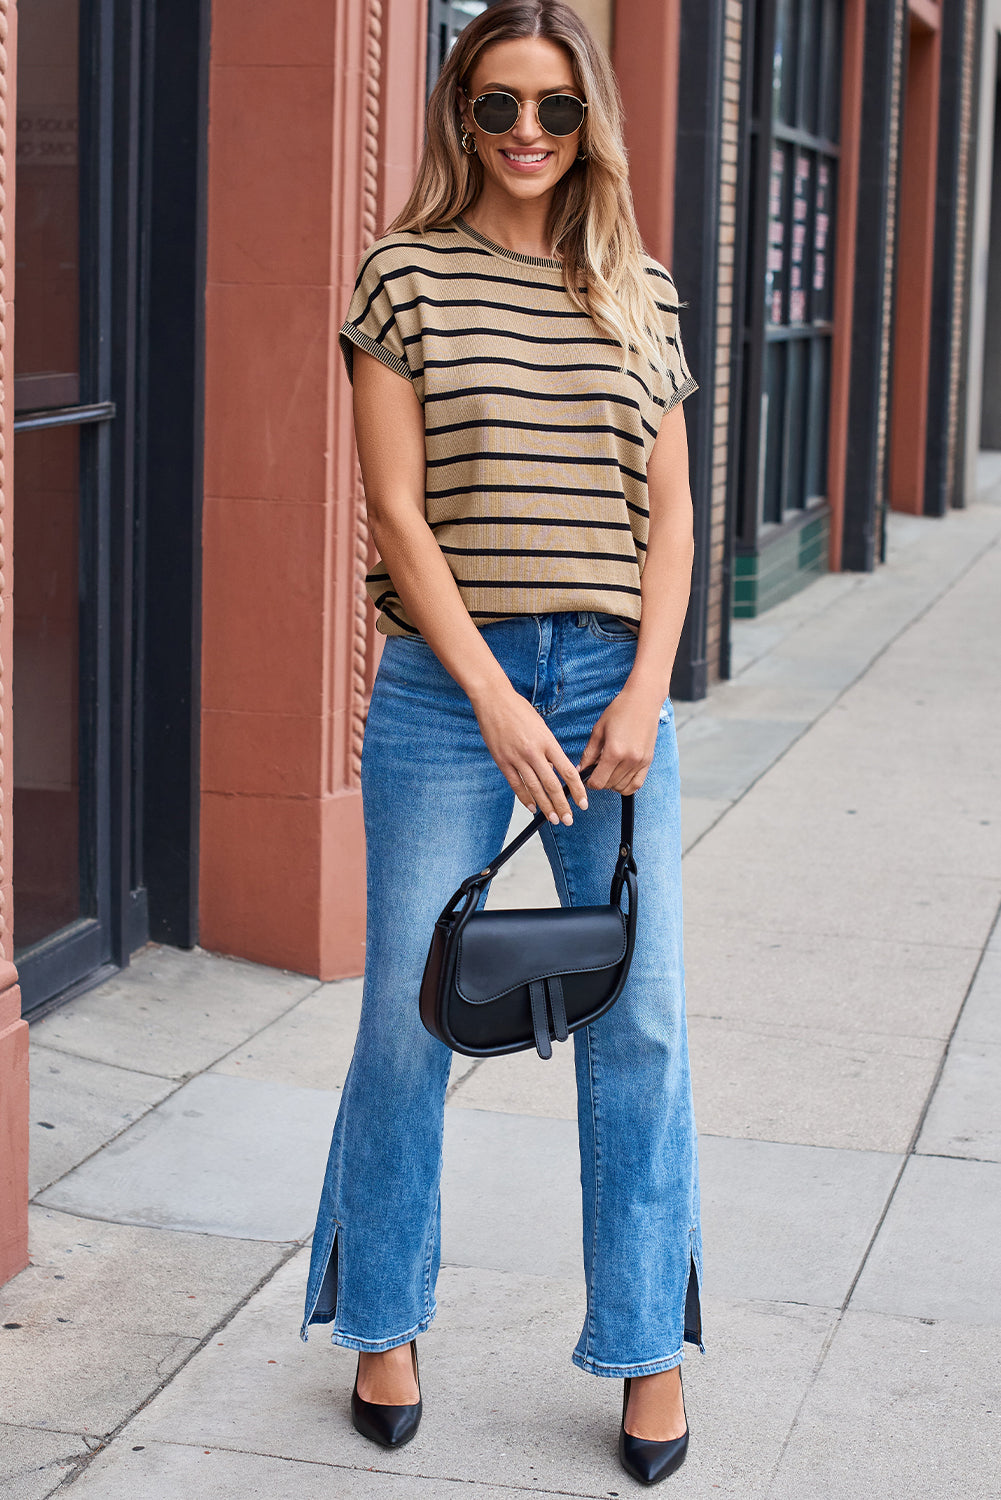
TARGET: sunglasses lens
(560,114)
(495,113)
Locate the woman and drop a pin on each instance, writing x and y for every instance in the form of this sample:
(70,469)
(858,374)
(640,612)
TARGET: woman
(518,378)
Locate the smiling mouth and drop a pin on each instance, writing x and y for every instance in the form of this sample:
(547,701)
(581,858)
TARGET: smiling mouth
(526,156)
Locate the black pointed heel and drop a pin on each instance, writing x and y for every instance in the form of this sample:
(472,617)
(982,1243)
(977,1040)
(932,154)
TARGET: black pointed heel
(644,1459)
(390,1426)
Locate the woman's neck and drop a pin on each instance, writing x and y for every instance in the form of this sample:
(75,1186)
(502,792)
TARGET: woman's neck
(517,226)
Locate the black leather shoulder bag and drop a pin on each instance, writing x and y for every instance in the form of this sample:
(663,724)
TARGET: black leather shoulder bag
(503,981)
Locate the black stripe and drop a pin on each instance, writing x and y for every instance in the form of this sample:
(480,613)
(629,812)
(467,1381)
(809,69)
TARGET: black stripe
(480,422)
(507,390)
(423,298)
(415,241)
(542,369)
(524,364)
(523,457)
(392,615)
(573,521)
(623,557)
(471,331)
(394,274)
(526,458)
(510,307)
(548,583)
(380,603)
(522,489)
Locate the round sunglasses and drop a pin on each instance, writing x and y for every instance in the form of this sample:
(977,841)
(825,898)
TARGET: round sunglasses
(558,114)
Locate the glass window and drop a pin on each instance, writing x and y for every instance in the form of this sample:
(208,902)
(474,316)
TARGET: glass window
(46,677)
(777,252)
(446,18)
(830,70)
(48,217)
(784,62)
(799,229)
(808,69)
(53,869)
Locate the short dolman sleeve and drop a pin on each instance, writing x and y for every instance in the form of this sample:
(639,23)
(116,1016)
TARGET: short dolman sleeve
(371,321)
(679,381)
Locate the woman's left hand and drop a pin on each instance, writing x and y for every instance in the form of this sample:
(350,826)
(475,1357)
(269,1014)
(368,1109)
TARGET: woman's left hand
(622,743)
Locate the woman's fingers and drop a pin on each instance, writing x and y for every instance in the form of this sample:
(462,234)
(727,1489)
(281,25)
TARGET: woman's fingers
(631,781)
(547,788)
(520,790)
(618,773)
(529,755)
(571,775)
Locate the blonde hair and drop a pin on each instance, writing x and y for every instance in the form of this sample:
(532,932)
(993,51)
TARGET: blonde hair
(592,220)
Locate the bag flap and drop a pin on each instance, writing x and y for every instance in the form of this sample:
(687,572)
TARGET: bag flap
(500,951)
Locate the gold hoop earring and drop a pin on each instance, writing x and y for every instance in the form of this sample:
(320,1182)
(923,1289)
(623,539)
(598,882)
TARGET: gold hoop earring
(582,156)
(466,138)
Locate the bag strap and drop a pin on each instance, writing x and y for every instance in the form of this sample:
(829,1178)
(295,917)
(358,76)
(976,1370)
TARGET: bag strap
(625,860)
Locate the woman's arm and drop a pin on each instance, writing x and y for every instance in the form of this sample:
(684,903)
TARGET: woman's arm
(623,740)
(389,428)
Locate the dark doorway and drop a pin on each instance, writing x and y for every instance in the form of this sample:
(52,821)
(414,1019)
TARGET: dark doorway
(65,425)
(100,318)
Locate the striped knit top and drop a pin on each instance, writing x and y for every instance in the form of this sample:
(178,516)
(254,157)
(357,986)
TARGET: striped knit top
(536,441)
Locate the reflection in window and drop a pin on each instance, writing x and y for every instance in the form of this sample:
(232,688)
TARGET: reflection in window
(47,350)
(46,678)
(52,885)
(446,18)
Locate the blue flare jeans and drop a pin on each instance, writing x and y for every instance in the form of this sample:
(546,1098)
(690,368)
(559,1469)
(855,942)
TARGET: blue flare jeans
(436,809)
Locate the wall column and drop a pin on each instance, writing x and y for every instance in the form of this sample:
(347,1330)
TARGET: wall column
(13,1031)
(298,179)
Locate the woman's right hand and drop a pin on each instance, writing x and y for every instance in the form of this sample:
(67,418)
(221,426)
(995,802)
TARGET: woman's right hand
(529,755)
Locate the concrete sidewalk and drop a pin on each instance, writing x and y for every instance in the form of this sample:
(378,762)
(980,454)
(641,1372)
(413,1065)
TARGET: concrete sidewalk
(842,882)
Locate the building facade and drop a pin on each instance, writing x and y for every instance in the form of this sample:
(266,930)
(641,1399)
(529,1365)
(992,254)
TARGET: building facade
(186,647)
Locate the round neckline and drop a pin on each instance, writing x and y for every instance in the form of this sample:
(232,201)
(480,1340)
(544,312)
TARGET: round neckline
(526,260)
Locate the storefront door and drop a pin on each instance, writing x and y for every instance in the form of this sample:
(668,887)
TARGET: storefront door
(109,289)
(64,418)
